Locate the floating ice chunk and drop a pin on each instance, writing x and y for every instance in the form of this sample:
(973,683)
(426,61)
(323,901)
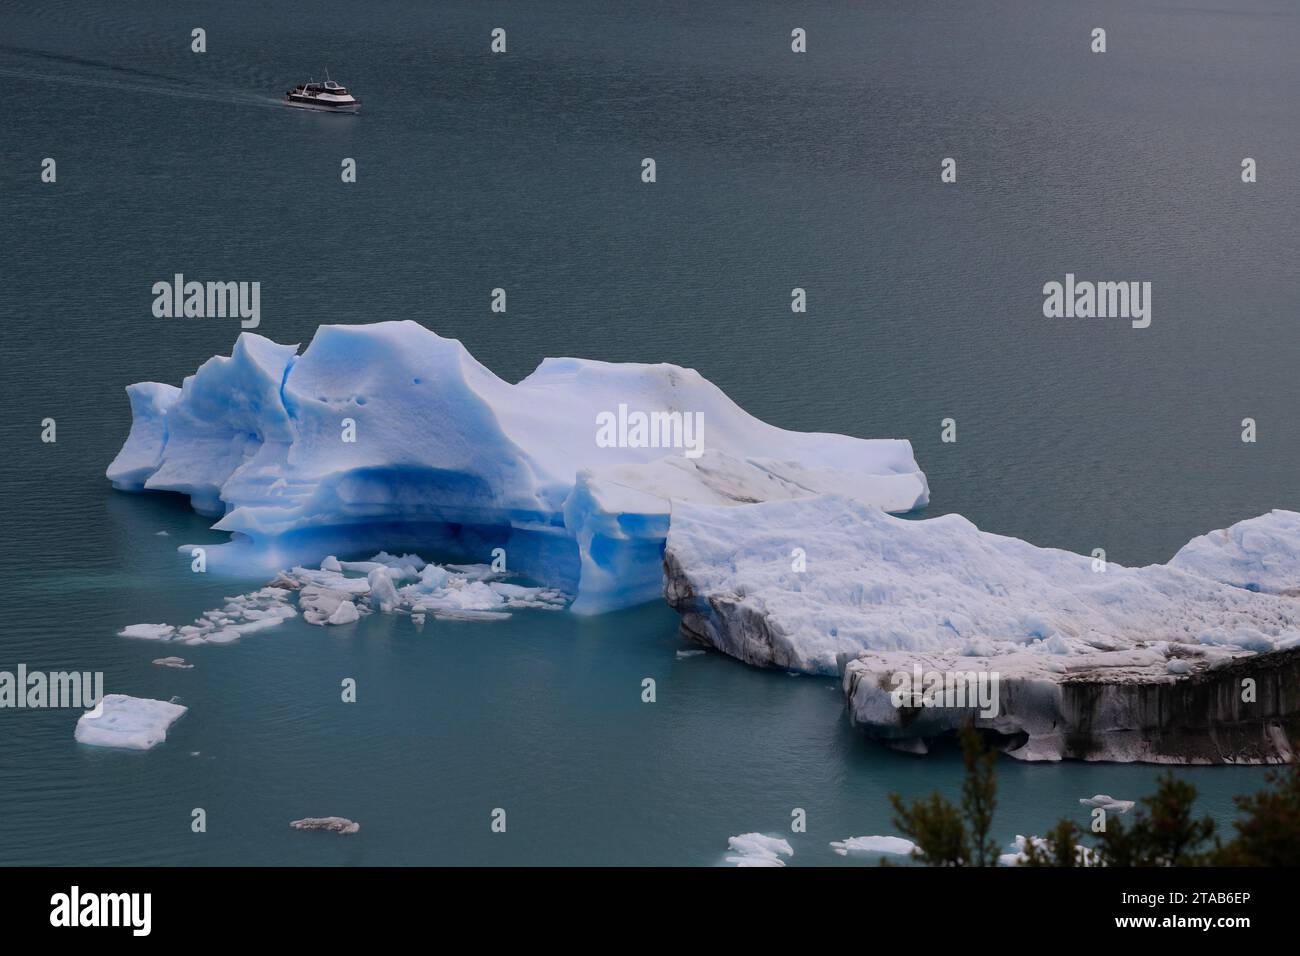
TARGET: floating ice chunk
(382,593)
(472,593)
(148,632)
(128,723)
(345,613)
(453,453)
(177,663)
(1071,658)
(684,655)
(1107,803)
(1018,857)
(1085,856)
(755,849)
(895,846)
(331,563)
(475,596)
(340,825)
(243,614)
(874,582)
(433,577)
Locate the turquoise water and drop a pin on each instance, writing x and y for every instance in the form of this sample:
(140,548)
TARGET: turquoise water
(523,172)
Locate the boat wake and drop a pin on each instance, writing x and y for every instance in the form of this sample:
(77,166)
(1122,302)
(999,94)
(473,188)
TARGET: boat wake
(242,99)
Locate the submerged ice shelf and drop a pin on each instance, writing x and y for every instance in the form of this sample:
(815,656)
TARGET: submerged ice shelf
(390,436)
(1121,664)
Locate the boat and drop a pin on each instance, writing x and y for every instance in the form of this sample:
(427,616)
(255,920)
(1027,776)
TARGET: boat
(328,96)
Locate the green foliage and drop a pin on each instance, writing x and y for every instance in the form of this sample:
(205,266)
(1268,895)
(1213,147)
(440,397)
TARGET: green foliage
(1269,832)
(945,835)
(979,795)
(1163,831)
(936,828)
(1062,848)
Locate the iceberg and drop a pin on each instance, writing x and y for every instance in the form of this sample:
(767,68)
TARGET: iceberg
(128,723)
(756,849)
(389,435)
(1106,802)
(1079,657)
(866,845)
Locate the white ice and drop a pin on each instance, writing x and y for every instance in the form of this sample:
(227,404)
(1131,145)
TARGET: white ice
(129,723)
(1107,803)
(446,450)
(892,845)
(240,615)
(873,582)
(756,849)
(1259,554)
(359,588)
(1085,856)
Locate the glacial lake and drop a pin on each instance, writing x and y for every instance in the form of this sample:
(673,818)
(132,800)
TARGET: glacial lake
(522,171)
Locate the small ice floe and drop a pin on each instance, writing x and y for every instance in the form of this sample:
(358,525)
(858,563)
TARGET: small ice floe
(148,632)
(341,825)
(343,592)
(686,655)
(1107,803)
(892,845)
(1084,855)
(175,662)
(1018,857)
(128,723)
(242,614)
(162,534)
(755,849)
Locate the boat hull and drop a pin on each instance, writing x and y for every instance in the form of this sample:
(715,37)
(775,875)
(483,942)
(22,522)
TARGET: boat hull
(321,107)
